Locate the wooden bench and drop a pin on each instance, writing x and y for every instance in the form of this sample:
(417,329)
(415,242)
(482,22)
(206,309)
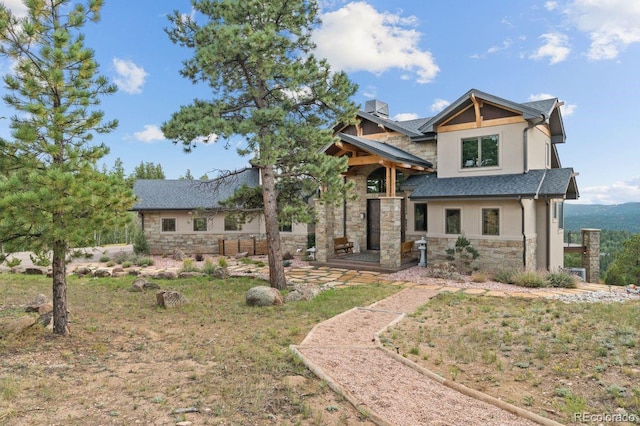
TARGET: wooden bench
(406,249)
(342,245)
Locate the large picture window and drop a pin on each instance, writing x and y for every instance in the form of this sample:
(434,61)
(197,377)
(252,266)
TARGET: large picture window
(168,225)
(452,221)
(480,152)
(490,222)
(420,217)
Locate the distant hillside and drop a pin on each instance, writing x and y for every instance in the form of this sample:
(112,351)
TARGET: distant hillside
(621,217)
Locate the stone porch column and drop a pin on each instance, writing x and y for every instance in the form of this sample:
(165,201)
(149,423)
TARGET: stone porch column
(390,232)
(591,256)
(324,230)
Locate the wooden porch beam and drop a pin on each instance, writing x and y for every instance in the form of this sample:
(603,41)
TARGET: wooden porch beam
(361,161)
(476,108)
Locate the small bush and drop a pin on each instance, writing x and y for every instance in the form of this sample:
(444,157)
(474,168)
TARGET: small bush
(189,266)
(88,255)
(144,261)
(479,277)
(463,256)
(531,279)
(562,280)
(122,257)
(199,257)
(127,264)
(104,259)
(13,262)
(111,263)
(140,243)
(40,259)
(208,268)
(286,263)
(222,262)
(504,276)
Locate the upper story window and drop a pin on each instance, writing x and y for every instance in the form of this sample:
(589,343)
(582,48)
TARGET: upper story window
(481,151)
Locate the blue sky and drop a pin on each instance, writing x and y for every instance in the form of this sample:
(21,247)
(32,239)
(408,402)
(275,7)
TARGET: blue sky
(415,55)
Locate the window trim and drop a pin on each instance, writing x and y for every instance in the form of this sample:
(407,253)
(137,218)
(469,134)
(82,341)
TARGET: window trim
(175,224)
(459,210)
(482,225)
(478,140)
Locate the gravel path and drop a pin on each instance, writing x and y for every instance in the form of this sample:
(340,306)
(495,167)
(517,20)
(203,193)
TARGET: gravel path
(345,349)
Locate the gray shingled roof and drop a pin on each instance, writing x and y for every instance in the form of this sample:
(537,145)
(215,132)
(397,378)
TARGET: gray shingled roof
(185,194)
(385,150)
(535,183)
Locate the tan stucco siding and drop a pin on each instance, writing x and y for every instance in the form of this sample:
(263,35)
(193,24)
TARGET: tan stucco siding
(510,151)
(538,149)
(471,217)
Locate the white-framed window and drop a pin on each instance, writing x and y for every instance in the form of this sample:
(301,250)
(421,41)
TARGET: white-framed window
(452,221)
(168,224)
(286,227)
(547,153)
(199,224)
(231,223)
(481,151)
(491,221)
(558,213)
(420,217)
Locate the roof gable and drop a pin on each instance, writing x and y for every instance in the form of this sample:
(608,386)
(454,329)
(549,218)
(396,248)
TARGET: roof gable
(468,106)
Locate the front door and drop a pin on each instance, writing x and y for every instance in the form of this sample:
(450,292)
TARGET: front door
(373,224)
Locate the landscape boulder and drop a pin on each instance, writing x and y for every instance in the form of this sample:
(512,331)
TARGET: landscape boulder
(221,273)
(263,296)
(170,299)
(16,325)
(302,292)
(82,270)
(102,272)
(35,270)
(165,275)
(179,255)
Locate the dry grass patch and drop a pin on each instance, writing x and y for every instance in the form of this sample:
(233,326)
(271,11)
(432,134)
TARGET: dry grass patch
(128,361)
(553,358)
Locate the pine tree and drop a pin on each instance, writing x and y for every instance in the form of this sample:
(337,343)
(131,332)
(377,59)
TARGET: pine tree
(53,195)
(269,88)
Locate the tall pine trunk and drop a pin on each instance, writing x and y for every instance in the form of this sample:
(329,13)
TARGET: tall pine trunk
(274,251)
(60,316)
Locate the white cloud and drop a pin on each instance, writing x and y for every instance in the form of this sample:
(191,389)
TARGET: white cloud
(359,38)
(612,25)
(505,45)
(150,133)
(566,109)
(555,48)
(131,77)
(616,193)
(551,5)
(439,104)
(207,139)
(405,116)
(16,7)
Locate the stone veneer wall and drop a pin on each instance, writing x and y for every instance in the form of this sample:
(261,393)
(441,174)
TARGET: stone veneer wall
(425,150)
(161,243)
(495,255)
(591,256)
(390,235)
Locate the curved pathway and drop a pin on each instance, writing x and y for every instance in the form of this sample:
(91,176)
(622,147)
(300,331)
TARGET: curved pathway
(346,352)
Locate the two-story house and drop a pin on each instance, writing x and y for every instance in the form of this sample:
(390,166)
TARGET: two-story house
(485,167)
